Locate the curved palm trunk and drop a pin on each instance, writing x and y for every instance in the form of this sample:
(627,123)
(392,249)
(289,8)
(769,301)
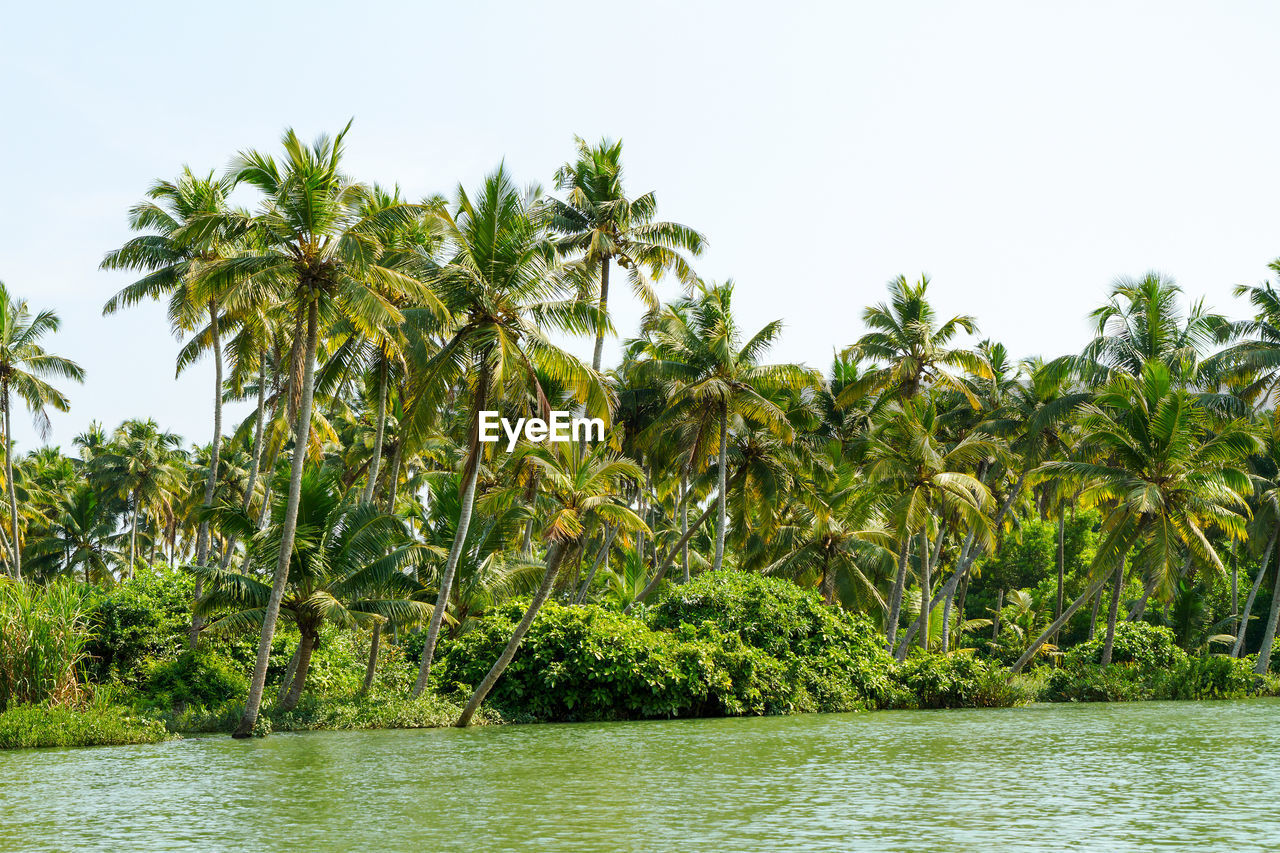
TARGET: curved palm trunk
(379,431)
(286,681)
(722,518)
(211,483)
(684,524)
(1269,636)
(1108,645)
(15,564)
(1094,588)
(372,666)
(1238,647)
(1062,562)
(302,435)
(305,648)
(926,589)
(828,580)
(471,473)
(895,597)
(495,672)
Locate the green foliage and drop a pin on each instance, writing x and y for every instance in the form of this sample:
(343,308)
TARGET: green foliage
(43,632)
(1213,677)
(204,677)
(960,681)
(25,726)
(137,621)
(1150,647)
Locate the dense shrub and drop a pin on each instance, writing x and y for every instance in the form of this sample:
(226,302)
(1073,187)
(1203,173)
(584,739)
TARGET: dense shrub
(1090,682)
(960,681)
(1213,677)
(137,621)
(204,678)
(98,725)
(1150,647)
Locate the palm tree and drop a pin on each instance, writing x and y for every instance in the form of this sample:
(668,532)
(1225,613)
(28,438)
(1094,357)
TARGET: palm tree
(25,366)
(709,377)
(173,253)
(351,564)
(141,463)
(600,225)
(910,349)
(1255,357)
(504,291)
(586,488)
(314,245)
(1165,469)
(925,479)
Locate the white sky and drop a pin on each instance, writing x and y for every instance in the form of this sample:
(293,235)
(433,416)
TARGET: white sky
(1023,155)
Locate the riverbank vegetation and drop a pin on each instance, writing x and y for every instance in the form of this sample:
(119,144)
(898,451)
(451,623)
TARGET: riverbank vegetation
(929,522)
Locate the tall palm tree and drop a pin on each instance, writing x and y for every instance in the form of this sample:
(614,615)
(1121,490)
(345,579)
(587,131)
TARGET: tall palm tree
(173,254)
(25,366)
(1165,469)
(924,479)
(601,225)
(710,376)
(313,243)
(141,463)
(910,349)
(1255,357)
(586,488)
(504,290)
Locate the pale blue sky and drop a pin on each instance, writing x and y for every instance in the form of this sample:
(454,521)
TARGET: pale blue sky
(1023,155)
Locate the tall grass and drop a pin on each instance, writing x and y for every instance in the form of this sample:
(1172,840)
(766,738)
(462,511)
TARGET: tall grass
(43,633)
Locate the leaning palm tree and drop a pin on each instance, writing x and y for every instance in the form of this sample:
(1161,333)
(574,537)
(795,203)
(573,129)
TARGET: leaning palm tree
(25,366)
(504,291)
(601,225)
(351,565)
(586,489)
(1164,469)
(315,248)
(709,377)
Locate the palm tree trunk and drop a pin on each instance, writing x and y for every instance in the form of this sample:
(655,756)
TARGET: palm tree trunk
(684,523)
(1109,643)
(722,517)
(949,592)
(1238,647)
(1093,615)
(1094,588)
(305,648)
(995,623)
(301,438)
(133,536)
(1235,586)
(1269,635)
(828,580)
(495,672)
(604,308)
(15,566)
(667,560)
(287,680)
(1062,563)
(379,431)
(393,478)
(211,483)
(470,473)
(927,603)
(610,533)
(926,588)
(255,466)
(895,597)
(373,657)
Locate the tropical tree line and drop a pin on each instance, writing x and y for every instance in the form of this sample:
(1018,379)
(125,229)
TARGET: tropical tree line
(368,330)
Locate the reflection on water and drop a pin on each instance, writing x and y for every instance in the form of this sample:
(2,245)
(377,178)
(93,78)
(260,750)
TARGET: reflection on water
(1049,777)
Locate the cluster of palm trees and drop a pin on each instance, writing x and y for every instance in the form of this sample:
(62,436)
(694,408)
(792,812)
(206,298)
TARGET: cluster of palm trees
(370,331)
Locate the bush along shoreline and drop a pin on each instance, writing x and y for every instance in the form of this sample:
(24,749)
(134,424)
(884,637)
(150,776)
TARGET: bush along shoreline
(725,644)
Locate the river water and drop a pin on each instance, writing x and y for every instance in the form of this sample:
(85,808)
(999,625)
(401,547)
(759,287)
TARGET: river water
(1168,776)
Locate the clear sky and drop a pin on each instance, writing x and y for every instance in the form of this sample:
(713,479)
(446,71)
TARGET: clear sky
(1022,154)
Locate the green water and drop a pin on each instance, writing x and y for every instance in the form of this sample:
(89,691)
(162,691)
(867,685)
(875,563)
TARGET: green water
(1200,776)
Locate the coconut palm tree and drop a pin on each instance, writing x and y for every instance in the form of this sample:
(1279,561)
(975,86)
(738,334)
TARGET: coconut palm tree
(1164,468)
(505,291)
(313,247)
(25,367)
(910,350)
(709,377)
(587,489)
(600,225)
(143,464)
(351,564)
